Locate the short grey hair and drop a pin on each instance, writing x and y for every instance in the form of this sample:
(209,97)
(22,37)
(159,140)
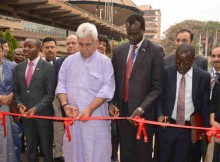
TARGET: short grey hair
(87,29)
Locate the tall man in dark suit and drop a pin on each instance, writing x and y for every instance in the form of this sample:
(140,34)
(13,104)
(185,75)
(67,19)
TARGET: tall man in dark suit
(138,67)
(186,36)
(186,90)
(34,87)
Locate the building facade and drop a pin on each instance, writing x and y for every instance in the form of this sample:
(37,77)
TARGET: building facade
(153,22)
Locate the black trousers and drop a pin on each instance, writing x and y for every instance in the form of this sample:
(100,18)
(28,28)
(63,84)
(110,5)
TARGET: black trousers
(175,144)
(131,149)
(38,131)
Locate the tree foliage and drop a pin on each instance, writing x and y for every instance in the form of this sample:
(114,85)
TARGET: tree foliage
(197,27)
(12,43)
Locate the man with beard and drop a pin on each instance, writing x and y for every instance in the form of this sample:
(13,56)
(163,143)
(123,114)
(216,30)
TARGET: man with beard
(186,36)
(50,50)
(215,61)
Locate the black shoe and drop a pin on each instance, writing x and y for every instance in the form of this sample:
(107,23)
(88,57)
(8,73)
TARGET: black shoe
(59,159)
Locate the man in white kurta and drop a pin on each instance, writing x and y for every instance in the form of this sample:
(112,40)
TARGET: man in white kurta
(86,83)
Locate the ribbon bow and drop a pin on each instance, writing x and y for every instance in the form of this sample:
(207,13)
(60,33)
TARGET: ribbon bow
(141,128)
(67,123)
(215,131)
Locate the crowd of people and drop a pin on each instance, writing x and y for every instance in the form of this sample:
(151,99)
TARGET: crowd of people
(133,79)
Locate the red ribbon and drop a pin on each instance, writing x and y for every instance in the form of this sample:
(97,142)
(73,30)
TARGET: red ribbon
(139,121)
(215,131)
(3,122)
(141,128)
(67,123)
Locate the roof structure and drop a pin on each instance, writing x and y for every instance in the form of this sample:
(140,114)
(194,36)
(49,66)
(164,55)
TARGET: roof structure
(59,14)
(114,11)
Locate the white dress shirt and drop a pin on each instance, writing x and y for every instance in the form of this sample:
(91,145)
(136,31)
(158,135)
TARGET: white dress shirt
(189,107)
(136,50)
(35,61)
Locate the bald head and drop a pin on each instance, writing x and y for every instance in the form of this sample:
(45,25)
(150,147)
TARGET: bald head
(71,44)
(18,55)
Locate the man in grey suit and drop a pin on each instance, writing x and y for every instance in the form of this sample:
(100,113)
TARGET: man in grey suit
(138,67)
(186,36)
(34,87)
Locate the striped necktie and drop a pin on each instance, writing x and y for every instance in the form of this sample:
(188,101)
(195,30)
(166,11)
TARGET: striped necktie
(180,115)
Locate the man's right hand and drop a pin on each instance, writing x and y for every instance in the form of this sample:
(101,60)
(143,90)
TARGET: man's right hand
(22,108)
(70,111)
(113,110)
(162,119)
(214,123)
(6,99)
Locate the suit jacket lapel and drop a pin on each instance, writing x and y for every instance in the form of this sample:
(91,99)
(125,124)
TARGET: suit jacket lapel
(23,72)
(173,83)
(195,84)
(5,72)
(140,55)
(124,56)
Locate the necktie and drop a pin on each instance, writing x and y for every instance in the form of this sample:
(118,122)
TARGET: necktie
(29,73)
(180,115)
(217,74)
(128,72)
(2,78)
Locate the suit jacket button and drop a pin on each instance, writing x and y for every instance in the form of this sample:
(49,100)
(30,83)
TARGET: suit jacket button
(28,91)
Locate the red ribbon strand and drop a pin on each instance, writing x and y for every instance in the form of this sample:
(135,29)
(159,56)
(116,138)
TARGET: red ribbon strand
(3,122)
(141,128)
(140,122)
(67,123)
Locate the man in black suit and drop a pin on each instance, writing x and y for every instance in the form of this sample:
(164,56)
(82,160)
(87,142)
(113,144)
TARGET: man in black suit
(49,48)
(186,36)
(179,106)
(34,87)
(138,67)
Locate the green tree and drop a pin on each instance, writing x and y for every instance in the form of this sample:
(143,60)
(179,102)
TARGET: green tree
(197,27)
(11,42)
